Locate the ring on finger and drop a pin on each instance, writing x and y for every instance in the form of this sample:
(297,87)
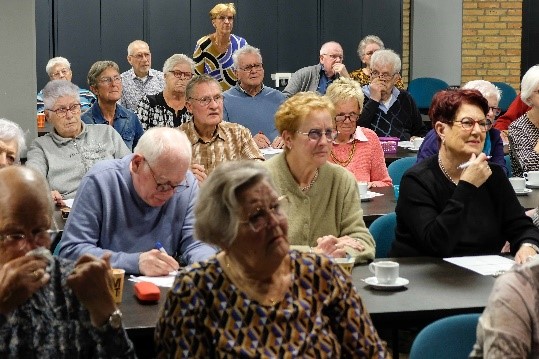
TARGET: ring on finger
(36,274)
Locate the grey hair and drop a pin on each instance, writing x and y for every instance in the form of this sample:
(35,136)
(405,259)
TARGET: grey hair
(133,44)
(176,59)
(344,89)
(59,60)
(97,68)
(486,88)
(530,82)
(247,49)
(369,39)
(10,130)
(157,141)
(218,205)
(55,89)
(386,57)
(325,46)
(199,79)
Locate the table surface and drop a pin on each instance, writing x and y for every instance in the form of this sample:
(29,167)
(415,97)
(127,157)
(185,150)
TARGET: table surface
(401,152)
(380,205)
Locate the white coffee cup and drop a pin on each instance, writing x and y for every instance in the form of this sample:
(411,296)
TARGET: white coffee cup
(363,188)
(386,272)
(417,142)
(518,183)
(532,178)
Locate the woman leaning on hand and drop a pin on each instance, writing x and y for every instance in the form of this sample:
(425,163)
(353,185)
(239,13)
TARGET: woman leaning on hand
(257,298)
(444,210)
(325,211)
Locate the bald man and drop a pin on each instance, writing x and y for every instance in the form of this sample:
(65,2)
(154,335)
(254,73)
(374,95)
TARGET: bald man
(127,206)
(50,307)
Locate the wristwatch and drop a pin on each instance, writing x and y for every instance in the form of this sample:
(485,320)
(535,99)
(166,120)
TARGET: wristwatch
(115,319)
(535,248)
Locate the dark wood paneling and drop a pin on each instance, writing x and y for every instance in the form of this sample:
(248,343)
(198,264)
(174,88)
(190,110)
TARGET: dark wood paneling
(384,19)
(530,35)
(44,40)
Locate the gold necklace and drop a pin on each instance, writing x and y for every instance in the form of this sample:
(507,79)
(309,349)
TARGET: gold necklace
(445,172)
(348,160)
(308,187)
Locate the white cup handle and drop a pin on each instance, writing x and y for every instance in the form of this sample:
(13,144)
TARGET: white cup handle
(371,268)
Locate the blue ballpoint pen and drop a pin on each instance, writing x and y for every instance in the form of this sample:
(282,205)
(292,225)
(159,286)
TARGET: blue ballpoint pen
(159,246)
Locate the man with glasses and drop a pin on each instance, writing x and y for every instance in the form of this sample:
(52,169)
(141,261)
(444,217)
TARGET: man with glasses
(250,103)
(213,140)
(128,206)
(319,77)
(388,111)
(141,79)
(58,68)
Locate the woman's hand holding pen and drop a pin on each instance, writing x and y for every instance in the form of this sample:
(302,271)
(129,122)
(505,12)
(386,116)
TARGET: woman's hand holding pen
(477,170)
(261,140)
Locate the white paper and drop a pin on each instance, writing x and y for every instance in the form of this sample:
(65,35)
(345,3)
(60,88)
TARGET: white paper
(405,144)
(69,202)
(271,151)
(164,281)
(485,265)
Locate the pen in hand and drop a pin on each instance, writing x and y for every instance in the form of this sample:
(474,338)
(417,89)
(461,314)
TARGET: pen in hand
(159,246)
(468,163)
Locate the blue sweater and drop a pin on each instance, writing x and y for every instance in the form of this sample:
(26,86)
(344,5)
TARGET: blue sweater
(108,214)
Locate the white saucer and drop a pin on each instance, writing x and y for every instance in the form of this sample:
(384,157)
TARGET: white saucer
(367,196)
(399,283)
(523,192)
(532,185)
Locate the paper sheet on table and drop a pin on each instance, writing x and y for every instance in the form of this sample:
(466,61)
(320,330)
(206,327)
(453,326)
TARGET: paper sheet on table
(405,144)
(69,202)
(164,281)
(485,265)
(271,151)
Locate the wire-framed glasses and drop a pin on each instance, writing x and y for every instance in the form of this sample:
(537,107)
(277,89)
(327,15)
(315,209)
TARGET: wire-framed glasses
(260,218)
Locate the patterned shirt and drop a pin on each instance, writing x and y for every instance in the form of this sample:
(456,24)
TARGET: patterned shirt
(365,79)
(54,324)
(219,66)
(154,111)
(86,100)
(230,141)
(321,316)
(134,89)
(523,137)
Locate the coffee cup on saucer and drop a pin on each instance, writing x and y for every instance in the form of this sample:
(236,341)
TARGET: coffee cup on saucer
(386,272)
(518,183)
(417,143)
(532,178)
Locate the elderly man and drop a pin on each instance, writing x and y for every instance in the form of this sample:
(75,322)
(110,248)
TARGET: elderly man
(12,142)
(388,111)
(136,205)
(213,140)
(250,103)
(58,68)
(141,79)
(319,77)
(50,307)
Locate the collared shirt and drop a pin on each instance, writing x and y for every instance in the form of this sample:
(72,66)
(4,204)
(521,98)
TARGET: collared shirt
(125,122)
(230,141)
(87,98)
(383,106)
(325,81)
(358,135)
(134,88)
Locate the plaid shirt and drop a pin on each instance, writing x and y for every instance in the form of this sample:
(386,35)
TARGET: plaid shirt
(230,141)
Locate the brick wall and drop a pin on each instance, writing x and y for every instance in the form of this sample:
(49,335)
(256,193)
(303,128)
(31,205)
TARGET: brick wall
(406,13)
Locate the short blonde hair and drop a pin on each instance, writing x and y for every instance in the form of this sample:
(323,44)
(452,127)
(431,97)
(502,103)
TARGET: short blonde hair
(344,89)
(221,8)
(294,110)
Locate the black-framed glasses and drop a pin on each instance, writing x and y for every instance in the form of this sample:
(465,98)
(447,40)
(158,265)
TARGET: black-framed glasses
(382,75)
(41,238)
(352,117)
(62,111)
(164,187)
(205,101)
(495,110)
(253,68)
(181,74)
(316,134)
(110,80)
(260,218)
(468,123)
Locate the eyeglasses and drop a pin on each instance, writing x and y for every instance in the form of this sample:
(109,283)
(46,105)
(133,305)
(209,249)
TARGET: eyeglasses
(41,238)
(205,101)
(369,53)
(352,117)
(110,80)
(59,73)
(62,111)
(141,55)
(260,218)
(164,187)
(495,110)
(253,68)
(468,124)
(316,134)
(375,74)
(335,56)
(181,74)
(223,18)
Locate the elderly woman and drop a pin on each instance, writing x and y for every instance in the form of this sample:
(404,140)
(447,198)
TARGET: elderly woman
(50,307)
(105,82)
(524,132)
(12,142)
(493,141)
(325,207)
(213,52)
(389,111)
(167,108)
(368,46)
(301,305)
(357,149)
(455,203)
(66,154)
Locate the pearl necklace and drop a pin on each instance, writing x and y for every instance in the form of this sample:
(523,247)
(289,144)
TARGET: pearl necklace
(348,160)
(308,187)
(445,172)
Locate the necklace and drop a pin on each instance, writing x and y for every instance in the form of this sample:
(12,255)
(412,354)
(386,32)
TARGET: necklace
(308,187)
(348,160)
(445,172)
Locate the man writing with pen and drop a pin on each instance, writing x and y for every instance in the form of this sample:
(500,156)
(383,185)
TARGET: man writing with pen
(125,206)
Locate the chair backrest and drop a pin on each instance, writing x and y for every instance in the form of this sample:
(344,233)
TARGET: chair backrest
(423,89)
(508,165)
(508,95)
(397,168)
(452,337)
(383,232)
